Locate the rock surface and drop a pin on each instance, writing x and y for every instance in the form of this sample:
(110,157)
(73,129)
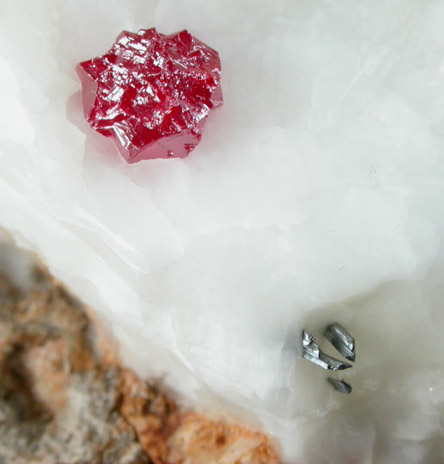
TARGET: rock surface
(315,197)
(62,400)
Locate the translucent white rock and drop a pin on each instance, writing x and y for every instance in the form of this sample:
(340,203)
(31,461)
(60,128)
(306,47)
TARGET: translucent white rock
(315,196)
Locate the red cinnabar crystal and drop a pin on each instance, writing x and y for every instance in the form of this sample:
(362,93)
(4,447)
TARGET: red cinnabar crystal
(152,93)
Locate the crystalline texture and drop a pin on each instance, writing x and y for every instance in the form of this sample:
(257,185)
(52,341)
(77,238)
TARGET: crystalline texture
(320,200)
(152,93)
(340,385)
(311,352)
(341,340)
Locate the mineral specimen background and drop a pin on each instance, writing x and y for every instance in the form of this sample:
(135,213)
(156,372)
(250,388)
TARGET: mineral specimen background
(314,197)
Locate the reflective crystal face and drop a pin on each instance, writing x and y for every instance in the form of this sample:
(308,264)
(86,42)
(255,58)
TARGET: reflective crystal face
(152,93)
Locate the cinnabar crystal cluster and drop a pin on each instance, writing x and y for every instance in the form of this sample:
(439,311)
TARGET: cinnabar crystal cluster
(152,93)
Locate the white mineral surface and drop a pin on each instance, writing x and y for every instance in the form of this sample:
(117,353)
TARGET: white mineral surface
(316,195)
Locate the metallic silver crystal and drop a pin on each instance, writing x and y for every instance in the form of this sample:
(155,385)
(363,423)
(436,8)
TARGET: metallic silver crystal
(340,385)
(311,352)
(341,340)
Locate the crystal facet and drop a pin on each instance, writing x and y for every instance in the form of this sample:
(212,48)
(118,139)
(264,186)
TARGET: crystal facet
(341,340)
(311,352)
(340,385)
(152,93)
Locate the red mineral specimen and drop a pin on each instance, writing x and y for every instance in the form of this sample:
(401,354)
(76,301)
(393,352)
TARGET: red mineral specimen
(152,93)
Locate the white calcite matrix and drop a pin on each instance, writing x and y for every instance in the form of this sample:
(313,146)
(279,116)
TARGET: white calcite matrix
(315,196)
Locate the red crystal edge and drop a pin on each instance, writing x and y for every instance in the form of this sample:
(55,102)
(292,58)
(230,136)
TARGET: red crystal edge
(152,93)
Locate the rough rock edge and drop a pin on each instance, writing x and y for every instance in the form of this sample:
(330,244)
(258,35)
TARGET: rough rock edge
(65,400)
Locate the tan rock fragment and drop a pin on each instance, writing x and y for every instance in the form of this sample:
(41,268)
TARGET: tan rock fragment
(64,398)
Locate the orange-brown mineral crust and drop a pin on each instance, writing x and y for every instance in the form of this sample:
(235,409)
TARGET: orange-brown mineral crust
(63,399)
